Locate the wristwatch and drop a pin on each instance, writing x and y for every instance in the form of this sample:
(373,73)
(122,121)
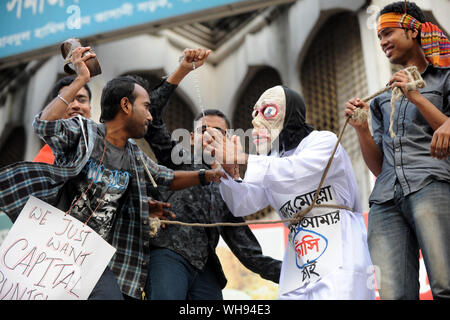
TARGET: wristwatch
(202,177)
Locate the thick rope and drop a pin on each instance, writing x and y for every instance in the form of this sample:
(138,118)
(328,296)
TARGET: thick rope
(359,114)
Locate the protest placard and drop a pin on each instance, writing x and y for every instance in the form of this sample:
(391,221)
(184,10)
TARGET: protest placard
(49,255)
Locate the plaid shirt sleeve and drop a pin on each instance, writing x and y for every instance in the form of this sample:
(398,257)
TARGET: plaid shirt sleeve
(60,135)
(159,96)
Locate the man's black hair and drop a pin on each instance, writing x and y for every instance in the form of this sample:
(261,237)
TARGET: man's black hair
(64,82)
(213,112)
(115,90)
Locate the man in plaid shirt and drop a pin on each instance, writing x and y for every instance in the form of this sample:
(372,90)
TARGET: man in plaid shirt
(99,166)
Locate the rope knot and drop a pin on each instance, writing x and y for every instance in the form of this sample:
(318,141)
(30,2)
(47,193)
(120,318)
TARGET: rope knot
(154,225)
(360,115)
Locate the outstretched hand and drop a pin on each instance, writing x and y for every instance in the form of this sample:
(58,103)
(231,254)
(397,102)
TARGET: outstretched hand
(232,170)
(214,175)
(190,60)
(440,144)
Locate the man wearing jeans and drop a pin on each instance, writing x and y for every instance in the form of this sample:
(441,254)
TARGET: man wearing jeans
(411,198)
(183,261)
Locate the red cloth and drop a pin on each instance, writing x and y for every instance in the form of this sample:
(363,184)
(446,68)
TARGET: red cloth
(45,155)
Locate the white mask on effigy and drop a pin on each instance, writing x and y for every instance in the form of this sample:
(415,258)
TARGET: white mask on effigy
(268,118)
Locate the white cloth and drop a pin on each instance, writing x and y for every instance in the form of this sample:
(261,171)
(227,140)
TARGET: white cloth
(287,183)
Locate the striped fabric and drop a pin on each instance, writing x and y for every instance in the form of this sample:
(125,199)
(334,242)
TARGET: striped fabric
(434,42)
(131,232)
(435,45)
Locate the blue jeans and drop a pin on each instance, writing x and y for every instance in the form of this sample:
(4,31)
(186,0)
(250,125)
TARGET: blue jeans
(106,287)
(172,277)
(402,226)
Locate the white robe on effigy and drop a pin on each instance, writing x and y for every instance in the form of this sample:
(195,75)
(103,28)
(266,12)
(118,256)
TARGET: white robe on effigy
(326,255)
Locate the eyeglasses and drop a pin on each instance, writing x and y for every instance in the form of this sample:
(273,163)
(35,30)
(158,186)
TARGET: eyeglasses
(81,99)
(202,129)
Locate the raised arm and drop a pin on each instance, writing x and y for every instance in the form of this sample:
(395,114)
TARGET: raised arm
(158,136)
(440,144)
(247,249)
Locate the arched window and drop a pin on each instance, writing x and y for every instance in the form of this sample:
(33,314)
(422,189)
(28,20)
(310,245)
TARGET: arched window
(333,71)
(177,113)
(13,147)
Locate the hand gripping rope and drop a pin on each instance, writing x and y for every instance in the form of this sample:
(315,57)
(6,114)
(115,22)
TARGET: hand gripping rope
(361,115)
